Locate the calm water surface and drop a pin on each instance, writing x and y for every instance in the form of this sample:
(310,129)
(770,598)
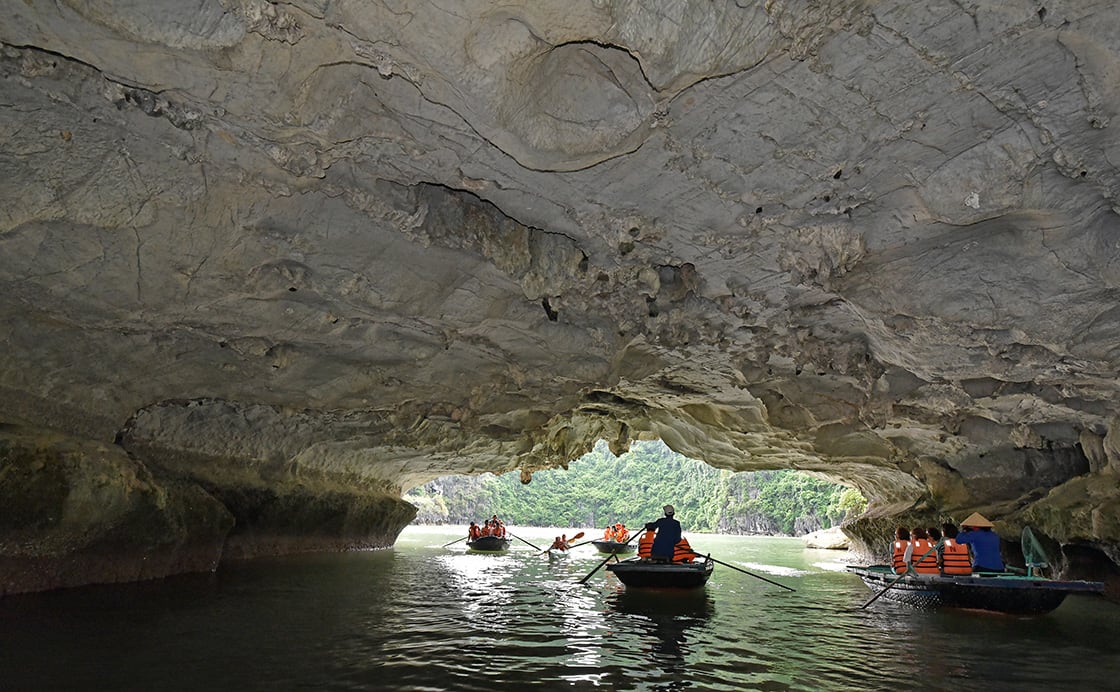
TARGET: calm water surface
(424,617)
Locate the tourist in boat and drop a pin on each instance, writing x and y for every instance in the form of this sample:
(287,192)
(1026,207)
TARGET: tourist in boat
(920,554)
(976,533)
(473,531)
(608,533)
(621,535)
(497,526)
(559,543)
(682,551)
(953,557)
(645,544)
(668,533)
(899,561)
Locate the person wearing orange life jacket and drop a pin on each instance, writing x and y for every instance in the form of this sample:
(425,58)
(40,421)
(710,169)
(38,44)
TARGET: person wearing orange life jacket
(920,553)
(952,556)
(899,561)
(645,544)
(473,531)
(620,533)
(608,533)
(682,551)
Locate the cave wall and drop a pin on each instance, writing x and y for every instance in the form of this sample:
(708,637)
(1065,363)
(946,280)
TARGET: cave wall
(293,258)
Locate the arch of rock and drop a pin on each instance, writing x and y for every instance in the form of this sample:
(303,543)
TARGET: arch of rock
(266,265)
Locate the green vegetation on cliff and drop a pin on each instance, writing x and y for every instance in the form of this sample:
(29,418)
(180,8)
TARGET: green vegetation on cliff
(600,488)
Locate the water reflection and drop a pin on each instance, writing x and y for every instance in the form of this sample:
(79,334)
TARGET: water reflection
(481,585)
(666,616)
(426,617)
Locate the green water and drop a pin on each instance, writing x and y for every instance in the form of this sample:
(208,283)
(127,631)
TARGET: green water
(424,617)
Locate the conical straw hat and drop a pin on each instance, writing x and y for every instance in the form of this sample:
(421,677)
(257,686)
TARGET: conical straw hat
(976,519)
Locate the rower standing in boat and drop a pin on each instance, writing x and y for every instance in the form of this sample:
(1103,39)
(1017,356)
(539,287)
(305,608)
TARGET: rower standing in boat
(668,535)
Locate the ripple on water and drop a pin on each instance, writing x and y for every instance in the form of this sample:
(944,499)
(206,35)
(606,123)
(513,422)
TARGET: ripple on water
(425,617)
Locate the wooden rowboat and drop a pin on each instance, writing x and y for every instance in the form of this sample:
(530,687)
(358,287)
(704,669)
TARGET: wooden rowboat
(613,547)
(489,544)
(1001,592)
(642,574)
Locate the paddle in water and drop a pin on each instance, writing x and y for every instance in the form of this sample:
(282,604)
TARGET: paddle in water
(739,569)
(523,540)
(455,541)
(600,565)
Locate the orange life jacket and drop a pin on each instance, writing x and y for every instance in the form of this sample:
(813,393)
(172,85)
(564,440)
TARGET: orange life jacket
(474,532)
(954,558)
(898,559)
(608,535)
(622,536)
(927,564)
(645,544)
(682,551)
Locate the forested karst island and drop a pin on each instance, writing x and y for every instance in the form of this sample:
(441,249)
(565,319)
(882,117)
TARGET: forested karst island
(267,266)
(600,489)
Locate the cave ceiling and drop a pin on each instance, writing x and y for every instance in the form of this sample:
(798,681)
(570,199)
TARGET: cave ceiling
(388,241)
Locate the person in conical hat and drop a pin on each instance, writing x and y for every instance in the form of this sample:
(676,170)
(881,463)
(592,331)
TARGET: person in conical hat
(977,521)
(983,543)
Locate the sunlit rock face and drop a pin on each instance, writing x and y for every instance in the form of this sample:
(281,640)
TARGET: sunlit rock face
(290,259)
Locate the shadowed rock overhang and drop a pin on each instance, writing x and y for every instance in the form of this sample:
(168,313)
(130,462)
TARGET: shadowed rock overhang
(266,265)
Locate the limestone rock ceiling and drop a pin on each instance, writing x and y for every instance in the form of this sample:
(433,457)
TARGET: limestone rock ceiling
(372,243)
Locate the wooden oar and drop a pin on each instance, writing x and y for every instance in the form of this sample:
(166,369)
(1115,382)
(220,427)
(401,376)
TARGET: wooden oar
(523,540)
(455,541)
(600,565)
(584,543)
(909,570)
(739,569)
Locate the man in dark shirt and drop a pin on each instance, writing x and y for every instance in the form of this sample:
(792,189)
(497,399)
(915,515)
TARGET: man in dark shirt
(668,533)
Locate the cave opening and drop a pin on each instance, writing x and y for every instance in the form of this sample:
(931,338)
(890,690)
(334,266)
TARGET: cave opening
(600,489)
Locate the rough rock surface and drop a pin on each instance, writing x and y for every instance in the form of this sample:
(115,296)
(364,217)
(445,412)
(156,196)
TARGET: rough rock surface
(827,539)
(295,257)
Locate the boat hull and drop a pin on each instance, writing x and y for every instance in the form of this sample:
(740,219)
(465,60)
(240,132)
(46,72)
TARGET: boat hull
(489,544)
(1003,593)
(612,547)
(640,574)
